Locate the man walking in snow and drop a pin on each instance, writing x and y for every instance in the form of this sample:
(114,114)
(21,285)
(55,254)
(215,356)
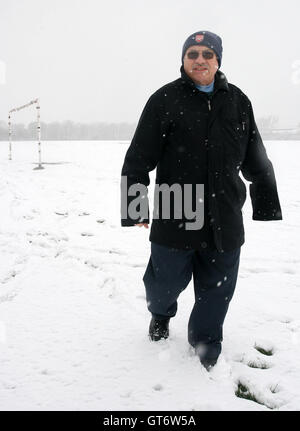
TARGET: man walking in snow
(197,130)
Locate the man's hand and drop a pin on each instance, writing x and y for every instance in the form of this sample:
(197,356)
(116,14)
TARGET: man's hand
(146,225)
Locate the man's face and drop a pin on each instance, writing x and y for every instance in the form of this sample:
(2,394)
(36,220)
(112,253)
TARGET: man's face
(201,70)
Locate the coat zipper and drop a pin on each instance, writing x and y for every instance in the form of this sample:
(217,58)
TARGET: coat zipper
(209,106)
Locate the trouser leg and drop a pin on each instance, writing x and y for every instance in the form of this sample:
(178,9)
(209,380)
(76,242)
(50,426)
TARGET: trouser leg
(215,276)
(168,273)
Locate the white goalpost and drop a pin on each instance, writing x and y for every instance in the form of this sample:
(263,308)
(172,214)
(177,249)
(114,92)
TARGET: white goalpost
(36,101)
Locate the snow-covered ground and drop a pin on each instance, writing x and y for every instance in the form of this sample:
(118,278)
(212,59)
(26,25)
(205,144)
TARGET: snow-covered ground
(73,317)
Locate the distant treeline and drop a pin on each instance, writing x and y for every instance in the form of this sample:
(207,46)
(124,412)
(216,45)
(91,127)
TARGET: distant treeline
(69,131)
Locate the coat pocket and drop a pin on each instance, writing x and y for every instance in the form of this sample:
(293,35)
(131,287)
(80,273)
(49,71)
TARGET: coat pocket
(235,138)
(234,187)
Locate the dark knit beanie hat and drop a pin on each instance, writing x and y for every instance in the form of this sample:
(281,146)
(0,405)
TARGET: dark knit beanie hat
(207,38)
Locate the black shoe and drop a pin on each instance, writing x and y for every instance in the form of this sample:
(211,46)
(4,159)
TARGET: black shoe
(201,351)
(208,363)
(158,329)
(208,354)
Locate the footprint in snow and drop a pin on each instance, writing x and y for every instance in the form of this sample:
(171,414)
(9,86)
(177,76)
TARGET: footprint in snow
(243,390)
(293,325)
(62,214)
(9,276)
(264,351)
(262,365)
(91,264)
(289,271)
(8,296)
(28,217)
(158,387)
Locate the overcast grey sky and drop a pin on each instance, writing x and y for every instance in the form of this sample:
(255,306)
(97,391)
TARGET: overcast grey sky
(96,60)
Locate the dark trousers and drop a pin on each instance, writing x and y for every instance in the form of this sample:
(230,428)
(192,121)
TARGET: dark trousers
(168,273)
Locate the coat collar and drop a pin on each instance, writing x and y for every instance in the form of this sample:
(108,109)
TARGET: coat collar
(221,82)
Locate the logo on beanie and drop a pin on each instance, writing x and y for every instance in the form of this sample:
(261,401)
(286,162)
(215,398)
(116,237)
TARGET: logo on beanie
(199,37)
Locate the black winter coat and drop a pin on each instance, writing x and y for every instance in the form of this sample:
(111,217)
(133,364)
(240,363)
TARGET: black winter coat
(194,138)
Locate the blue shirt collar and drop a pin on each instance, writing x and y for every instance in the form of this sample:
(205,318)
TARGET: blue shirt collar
(206,88)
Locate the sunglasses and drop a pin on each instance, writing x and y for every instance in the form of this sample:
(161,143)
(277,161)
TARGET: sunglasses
(206,54)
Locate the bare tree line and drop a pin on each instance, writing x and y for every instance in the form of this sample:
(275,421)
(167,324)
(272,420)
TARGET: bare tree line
(69,130)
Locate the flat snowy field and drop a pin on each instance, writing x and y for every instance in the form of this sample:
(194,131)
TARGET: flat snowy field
(73,316)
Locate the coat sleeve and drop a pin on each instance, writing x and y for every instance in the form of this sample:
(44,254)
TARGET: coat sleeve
(142,157)
(258,169)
